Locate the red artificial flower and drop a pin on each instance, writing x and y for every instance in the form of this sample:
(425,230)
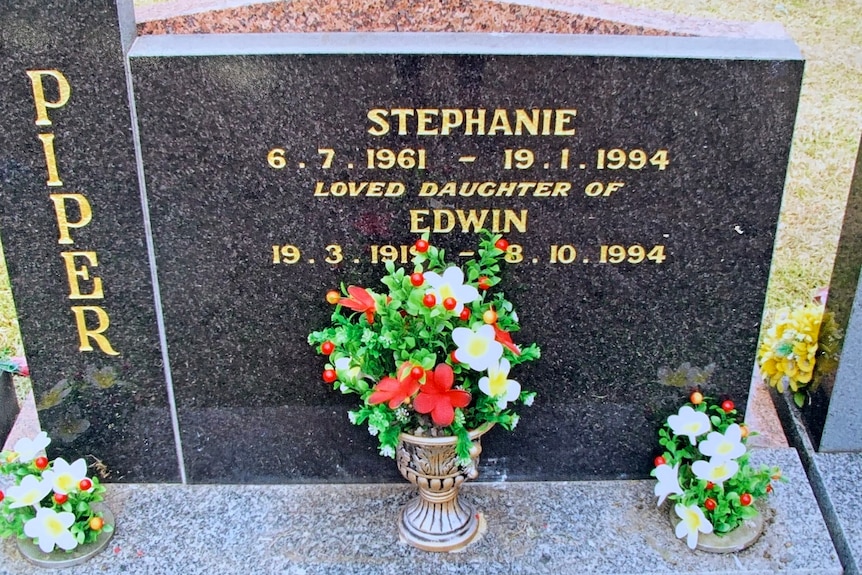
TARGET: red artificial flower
(438,398)
(396,390)
(504,338)
(360,300)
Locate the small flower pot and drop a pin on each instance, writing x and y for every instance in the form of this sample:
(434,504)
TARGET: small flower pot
(439,519)
(743,537)
(59,559)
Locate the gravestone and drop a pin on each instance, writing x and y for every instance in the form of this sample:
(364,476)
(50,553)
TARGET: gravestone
(74,236)
(835,418)
(8,405)
(638,179)
(165,297)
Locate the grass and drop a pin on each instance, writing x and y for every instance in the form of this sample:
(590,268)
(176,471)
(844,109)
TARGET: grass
(824,144)
(827,131)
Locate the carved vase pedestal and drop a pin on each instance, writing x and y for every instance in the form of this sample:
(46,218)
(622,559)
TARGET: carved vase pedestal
(439,519)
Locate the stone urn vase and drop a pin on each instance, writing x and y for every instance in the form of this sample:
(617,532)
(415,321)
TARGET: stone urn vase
(439,519)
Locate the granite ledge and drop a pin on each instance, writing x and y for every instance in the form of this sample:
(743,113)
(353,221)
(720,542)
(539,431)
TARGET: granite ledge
(555,527)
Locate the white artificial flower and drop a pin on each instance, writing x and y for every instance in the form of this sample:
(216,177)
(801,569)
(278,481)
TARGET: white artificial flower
(451,284)
(51,528)
(30,491)
(28,449)
(497,384)
(668,482)
(477,348)
(345,372)
(715,470)
(693,522)
(64,477)
(724,446)
(689,422)
(387,451)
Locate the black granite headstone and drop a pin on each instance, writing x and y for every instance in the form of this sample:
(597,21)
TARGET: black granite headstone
(74,236)
(8,405)
(639,179)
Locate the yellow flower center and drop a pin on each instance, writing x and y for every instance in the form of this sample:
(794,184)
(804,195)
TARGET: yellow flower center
(478,346)
(65,482)
(53,526)
(692,520)
(724,448)
(496,383)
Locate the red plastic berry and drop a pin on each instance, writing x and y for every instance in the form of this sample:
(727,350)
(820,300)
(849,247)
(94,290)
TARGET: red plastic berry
(659,461)
(483,283)
(329,375)
(745,499)
(489,317)
(60,498)
(710,485)
(450,303)
(502,244)
(421,246)
(327,347)
(417,279)
(332,297)
(465,314)
(696,398)
(727,405)
(430,300)
(451,356)
(417,372)
(710,504)
(2,496)
(85,484)
(41,462)
(768,490)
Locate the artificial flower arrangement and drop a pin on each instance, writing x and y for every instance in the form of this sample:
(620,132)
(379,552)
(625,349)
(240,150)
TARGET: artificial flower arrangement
(799,339)
(431,354)
(704,469)
(50,502)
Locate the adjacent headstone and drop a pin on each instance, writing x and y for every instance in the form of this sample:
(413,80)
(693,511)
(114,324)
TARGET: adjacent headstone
(835,420)
(639,181)
(74,236)
(8,405)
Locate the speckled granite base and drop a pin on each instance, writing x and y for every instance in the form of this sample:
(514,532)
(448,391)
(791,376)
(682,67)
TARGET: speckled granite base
(555,527)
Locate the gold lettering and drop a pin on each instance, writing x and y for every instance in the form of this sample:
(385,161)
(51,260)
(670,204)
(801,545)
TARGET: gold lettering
(472,219)
(423,118)
(475,119)
(510,218)
(522,121)
(417,221)
(562,120)
(439,226)
(451,119)
(84,210)
(378,117)
(402,114)
(42,105)
(50,159)
(500,123)
(85,334)
(83,273)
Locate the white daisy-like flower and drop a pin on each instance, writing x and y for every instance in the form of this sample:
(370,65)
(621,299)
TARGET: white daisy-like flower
(497,384)
(715,470)
(64,477)
(28,449)
(668,482)
(451,284)
(689,422)
(51,528)
(723,446)
(477,348)
(693,523)
(30,491)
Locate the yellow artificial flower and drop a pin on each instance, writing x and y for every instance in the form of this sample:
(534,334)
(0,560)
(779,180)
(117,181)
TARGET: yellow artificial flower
(789,348)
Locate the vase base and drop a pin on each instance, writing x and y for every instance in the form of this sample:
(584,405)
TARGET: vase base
(439,540)
(740,538)
(60,559)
